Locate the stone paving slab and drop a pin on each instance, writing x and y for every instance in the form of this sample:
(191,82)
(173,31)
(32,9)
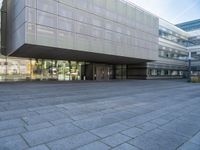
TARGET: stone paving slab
(117,115)
(44,117)
(147,126)
(125,146)
(196,139)
(115,140)
(133,132)
(182,127)
(49,134)
(15,114)
(189,146)
(9,124)
(158,140)
(38,126)
(41,147)
(13,131)
(12,143)
(61,121)
(109,130)
(96,146)
(95,122)
(73,142)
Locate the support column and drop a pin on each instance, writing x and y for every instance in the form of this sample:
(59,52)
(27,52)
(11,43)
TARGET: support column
(6,63)
(114,71)
(189,66)
(189,70)
(31,69)
(70,69)
(84,77)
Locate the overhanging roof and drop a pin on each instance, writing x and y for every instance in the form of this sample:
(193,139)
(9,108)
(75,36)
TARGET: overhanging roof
(43,52)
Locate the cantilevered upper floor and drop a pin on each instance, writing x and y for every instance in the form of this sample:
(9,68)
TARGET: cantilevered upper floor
(90,30)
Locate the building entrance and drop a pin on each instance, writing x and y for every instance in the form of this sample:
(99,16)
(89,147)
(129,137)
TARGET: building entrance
(96,71)
(102,72)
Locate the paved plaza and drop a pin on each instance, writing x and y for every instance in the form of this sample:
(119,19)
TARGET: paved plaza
(117,115)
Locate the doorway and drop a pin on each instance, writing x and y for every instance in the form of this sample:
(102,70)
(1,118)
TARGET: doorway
(102,72)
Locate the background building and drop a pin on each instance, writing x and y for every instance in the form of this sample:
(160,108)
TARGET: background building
(193,29)
(172,52)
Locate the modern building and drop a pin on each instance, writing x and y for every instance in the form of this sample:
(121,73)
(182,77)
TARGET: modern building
(193,28)
(172,52)
(88,40)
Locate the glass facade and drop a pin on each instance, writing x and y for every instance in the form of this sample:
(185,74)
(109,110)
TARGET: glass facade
(171,53)
(194,41)
(195,70)
(20,69)
(16,69)
(56,70)
(121,71)
(173,36)
(165,72)
(190,26)
(193,27)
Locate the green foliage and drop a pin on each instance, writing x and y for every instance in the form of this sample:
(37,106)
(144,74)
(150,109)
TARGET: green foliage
(195,79)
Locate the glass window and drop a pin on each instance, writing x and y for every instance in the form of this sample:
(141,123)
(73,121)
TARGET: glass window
(174,37)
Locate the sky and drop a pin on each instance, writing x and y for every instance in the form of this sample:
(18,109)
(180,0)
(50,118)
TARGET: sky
(174,11)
